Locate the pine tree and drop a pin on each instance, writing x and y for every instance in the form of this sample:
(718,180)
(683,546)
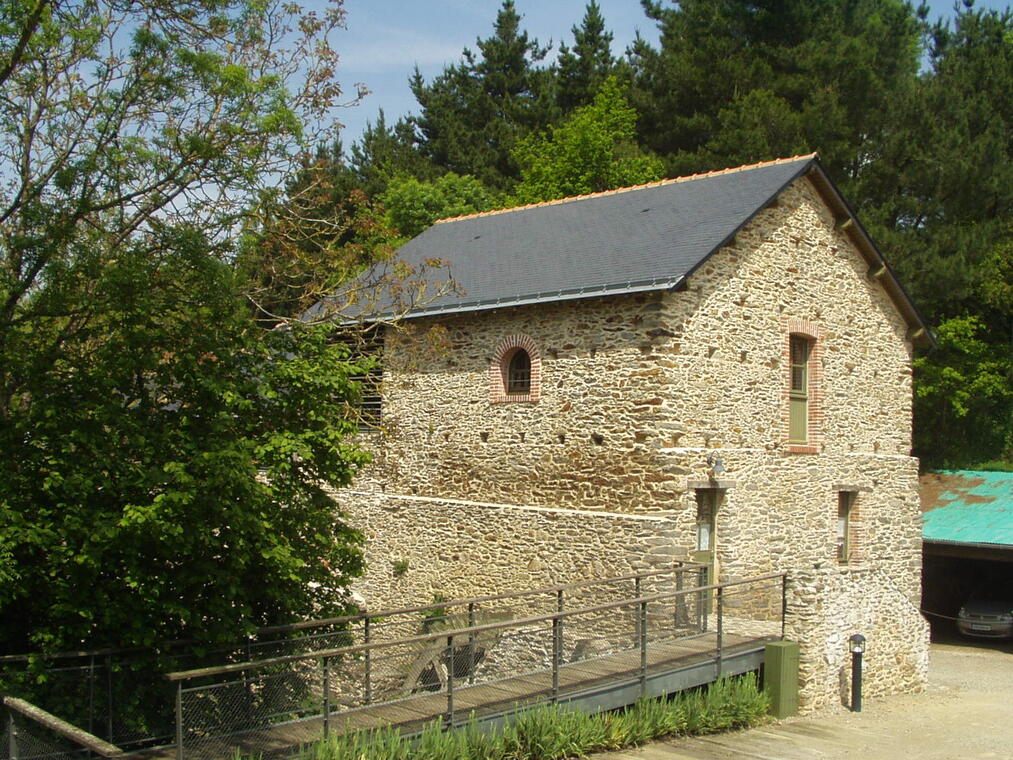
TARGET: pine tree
(474,112)
(582,69)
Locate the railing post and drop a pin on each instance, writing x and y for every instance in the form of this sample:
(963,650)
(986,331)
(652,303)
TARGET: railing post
(91,694)
(369,663)
(557,655)
(720,614)
(784,602)
(471,643)
(701,599)
(179,720)
(327,697)
(109,699)
(12,736)
(680,601)
(636,617)
(642,620)
(449,721)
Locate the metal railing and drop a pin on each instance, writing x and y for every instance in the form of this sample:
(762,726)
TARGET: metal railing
(484,660)
(120,696)
(31,733)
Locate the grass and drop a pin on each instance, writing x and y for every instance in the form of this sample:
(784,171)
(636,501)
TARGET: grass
(551,732)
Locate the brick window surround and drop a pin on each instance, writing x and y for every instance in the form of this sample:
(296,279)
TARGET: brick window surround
(810,331)
(849,498)
(499,370)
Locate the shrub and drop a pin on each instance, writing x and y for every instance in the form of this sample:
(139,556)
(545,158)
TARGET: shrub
(554,732)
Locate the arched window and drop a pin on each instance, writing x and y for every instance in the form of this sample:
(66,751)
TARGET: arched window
(515,372)
(518,378)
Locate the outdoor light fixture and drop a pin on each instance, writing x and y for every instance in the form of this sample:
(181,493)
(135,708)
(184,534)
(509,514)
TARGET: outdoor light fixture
(717,467)
(857,642)
(857,645)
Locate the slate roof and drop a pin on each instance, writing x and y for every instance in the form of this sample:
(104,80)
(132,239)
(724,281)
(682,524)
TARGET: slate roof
(644,238)
(968,507)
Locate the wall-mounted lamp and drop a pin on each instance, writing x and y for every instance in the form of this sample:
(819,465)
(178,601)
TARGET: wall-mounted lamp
(716,467)
(856,643)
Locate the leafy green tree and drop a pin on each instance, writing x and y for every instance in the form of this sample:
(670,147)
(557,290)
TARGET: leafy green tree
(963,398)
(162,457)
(413,206)
(475,111)
(593,150)
(582,69)
(164,474)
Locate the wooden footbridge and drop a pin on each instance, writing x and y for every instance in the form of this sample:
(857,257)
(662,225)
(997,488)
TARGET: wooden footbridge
(594,646)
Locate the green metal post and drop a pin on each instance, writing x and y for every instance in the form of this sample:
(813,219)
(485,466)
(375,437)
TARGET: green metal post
(780,677)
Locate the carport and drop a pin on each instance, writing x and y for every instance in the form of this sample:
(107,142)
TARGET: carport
(967,540)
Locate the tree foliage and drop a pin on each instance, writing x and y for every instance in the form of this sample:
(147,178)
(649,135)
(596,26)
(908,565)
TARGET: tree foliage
(582,69)
(171,461)
(475,111)
(163,458)
(413,206)
(593,150)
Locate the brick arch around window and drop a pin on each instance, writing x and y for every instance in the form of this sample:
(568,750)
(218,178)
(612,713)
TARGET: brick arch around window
(500,366)
(799,334)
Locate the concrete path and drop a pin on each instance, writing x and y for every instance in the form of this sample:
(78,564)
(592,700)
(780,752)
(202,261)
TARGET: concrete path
(965,714)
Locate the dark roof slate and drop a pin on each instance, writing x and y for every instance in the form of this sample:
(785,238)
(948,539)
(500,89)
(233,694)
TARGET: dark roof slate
(644,238)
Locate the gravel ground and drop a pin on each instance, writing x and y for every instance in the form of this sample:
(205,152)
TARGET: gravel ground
(966,713)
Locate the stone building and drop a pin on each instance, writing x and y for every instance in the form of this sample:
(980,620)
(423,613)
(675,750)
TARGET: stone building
(716,368)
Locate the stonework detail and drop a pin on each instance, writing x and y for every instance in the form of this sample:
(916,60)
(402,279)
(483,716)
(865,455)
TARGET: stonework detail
(633,393)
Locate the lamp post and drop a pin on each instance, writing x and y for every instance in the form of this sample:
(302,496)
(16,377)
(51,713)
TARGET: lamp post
(857,645)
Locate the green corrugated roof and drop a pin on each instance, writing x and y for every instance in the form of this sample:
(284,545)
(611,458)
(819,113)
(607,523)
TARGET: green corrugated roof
(968,507)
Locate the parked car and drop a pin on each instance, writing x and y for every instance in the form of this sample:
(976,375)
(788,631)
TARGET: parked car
(988,618)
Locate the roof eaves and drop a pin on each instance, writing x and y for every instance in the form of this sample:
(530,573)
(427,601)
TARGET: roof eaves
(978,544)
(616,289)
(921,333)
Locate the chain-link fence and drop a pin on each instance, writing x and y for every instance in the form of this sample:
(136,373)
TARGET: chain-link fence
(479,657)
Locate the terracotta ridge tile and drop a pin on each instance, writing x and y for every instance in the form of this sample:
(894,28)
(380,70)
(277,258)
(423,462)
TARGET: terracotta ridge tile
(658,183)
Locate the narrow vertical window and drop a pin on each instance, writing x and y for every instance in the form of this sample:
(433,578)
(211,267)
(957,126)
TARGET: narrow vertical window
(845,502)
(519,372)
(798,393)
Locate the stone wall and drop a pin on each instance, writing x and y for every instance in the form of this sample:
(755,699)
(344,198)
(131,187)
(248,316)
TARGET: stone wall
(825,607)
(456,548)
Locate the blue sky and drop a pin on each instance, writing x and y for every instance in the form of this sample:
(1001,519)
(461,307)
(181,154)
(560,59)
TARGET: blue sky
(385,39)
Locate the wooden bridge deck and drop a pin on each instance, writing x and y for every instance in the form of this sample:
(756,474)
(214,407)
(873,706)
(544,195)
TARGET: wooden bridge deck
(607,682)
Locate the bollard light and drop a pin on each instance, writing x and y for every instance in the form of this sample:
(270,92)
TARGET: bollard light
(857,645)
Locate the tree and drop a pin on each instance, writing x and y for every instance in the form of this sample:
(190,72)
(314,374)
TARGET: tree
(165,474)
(728,77)
(963,398)
(413,206)
(475,111)
(163,458)
(593,150)
(385,152)
(582,69)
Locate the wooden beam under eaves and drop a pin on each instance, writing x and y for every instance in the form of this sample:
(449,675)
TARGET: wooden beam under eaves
(844,223)
(876,271)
